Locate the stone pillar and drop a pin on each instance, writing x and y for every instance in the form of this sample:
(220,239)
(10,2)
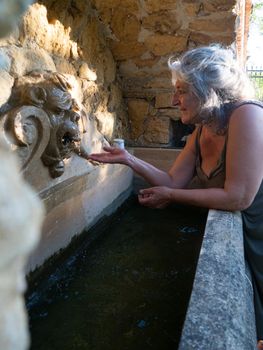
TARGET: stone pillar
(20,220)
(244,9)
(21,215)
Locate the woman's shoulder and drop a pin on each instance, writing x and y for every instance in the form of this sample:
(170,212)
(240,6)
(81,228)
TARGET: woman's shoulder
(238,104)
(244,108)
(247,115)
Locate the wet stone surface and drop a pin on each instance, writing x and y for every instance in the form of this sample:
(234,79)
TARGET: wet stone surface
(127,289)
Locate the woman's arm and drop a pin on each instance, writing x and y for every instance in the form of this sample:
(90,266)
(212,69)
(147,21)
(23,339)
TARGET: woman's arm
(178,177)
(244,165)
(244,169)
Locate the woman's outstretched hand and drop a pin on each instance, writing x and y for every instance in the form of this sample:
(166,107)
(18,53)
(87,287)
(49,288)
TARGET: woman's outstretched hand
(111,155)
(155,197)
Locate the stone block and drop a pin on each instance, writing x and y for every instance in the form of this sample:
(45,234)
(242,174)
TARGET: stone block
(105,122)
(191,9)
(125,26)
(157,130)
(89,40)
(109,67)
(161,45)
(131,6)
(125,50)
(25,60)
(172,113)
(218,5)
(206,39)
(146,63)
(210,24)
(137,111)
(128,68)
(86,73)
(53,37)
(156,6)
(163,100)
(164,22)
(64,66)
(159,82)
(115,98)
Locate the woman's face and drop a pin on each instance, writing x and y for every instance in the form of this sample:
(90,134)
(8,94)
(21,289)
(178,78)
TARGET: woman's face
(187,102)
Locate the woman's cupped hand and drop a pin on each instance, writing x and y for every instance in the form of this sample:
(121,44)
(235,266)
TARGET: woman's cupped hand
(155,197)
(110,155)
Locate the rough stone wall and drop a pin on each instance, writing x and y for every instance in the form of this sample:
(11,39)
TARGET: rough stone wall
(94,39)
(67,37)
(63,38)
(143,34)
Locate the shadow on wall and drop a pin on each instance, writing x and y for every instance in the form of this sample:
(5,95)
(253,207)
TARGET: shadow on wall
(180,132)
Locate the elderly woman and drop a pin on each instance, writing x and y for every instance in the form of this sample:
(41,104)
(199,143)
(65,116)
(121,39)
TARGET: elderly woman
(220,167)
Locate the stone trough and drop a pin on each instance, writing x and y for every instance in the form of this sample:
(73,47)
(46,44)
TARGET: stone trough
(221,311)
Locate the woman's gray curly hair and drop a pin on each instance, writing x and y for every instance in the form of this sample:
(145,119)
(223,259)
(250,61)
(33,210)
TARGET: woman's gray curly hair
(215,77)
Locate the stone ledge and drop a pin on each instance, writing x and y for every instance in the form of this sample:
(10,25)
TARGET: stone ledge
(221,311)
(162,158)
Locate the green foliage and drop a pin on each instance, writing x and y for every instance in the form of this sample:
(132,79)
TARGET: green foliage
(257,80)
(256,15)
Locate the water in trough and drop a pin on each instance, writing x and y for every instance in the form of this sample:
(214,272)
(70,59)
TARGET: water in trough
(127,289)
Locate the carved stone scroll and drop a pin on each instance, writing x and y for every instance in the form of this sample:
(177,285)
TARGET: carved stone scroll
(41,120)
(27,131)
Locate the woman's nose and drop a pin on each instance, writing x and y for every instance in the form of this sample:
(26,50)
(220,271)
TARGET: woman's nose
(175,100)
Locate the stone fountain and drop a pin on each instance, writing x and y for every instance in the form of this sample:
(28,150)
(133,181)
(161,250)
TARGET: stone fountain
(46,133)
(44,123)
(61,99)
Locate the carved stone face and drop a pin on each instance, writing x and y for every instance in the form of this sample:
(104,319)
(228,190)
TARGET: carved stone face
(54,125)
(64,132)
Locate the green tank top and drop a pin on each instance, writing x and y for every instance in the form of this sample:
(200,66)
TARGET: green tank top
(216,178)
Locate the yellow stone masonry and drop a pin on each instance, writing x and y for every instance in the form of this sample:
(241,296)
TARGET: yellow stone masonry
(118,51)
